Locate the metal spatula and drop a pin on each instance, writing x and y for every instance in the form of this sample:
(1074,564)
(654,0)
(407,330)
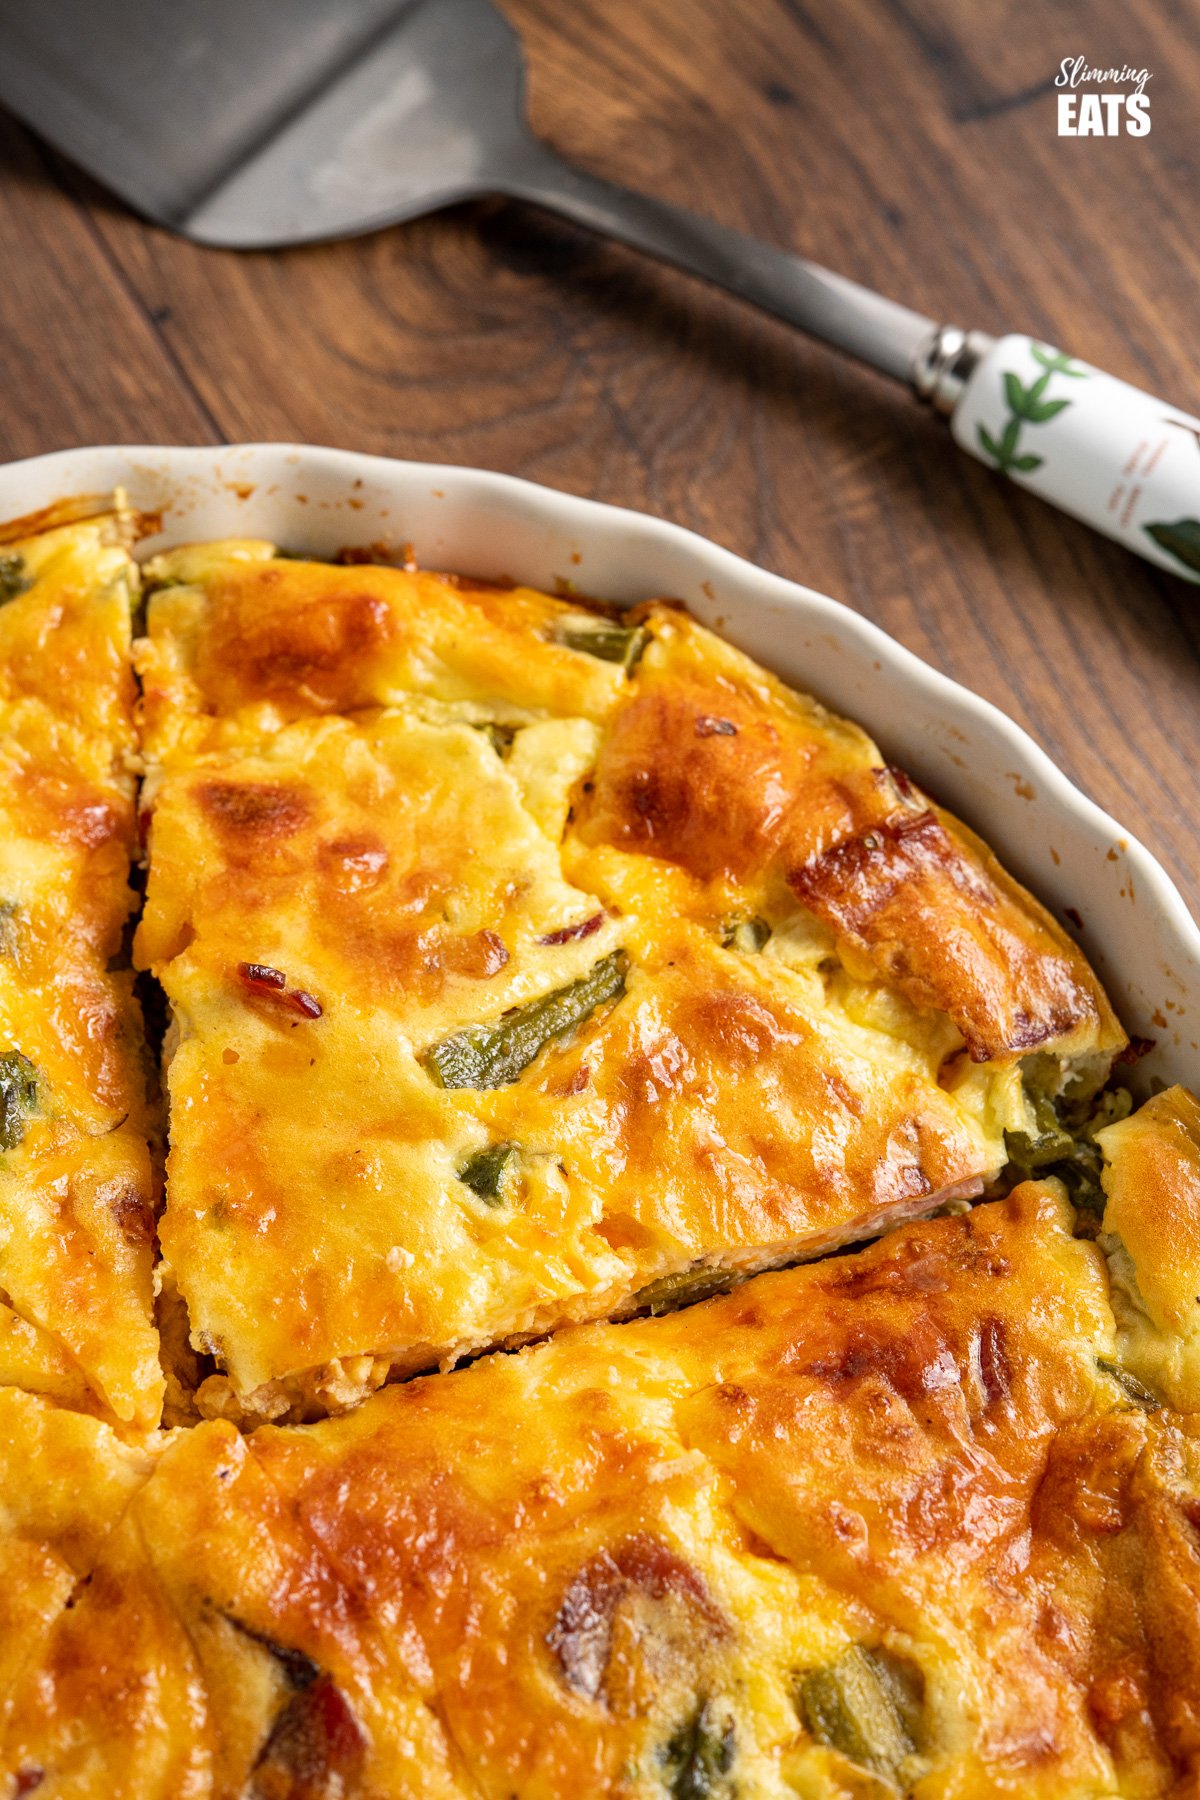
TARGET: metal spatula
(262,123)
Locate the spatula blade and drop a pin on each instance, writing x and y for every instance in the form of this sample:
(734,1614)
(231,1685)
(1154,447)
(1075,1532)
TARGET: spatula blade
(262,122)
(424,120)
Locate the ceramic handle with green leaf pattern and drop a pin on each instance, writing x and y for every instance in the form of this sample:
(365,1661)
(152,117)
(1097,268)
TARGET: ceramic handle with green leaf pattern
(1116,458)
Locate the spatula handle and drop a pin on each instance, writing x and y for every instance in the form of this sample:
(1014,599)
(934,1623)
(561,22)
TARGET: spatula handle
(1118,459)
(840,312)
(1104,451)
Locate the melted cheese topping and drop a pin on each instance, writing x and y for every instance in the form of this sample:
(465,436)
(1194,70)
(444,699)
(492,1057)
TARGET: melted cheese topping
(757,798)
(911,1520)
(872,1525)
(30,1359)
(240,640)
(65,1481)
(724,1109)
(418,804)
(76,1180)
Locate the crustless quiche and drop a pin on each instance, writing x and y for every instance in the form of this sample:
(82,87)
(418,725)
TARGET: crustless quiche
(528,972)
(891,1523)
(530,965)
(77,1191)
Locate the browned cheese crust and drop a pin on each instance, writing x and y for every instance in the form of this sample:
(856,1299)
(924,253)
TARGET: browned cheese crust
(531,965)
(646,1554)
(718,770)
(77,1188)
(423,806)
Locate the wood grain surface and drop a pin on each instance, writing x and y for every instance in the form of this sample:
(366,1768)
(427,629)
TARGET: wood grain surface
(908,143)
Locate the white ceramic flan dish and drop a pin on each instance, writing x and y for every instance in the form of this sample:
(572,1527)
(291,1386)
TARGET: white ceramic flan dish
(1080,862)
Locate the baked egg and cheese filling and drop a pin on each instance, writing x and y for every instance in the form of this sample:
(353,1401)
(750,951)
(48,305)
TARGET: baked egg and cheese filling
(883,1525)
(77,1190)
(1147,1217)
(529,964)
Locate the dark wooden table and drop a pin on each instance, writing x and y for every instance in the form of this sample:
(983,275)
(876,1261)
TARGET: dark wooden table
(909,143)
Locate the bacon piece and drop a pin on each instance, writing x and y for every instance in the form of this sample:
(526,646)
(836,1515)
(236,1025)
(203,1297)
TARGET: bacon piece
(134,1215)
(568,934)
(995,1371)
(494,952)
(271,984)
(642,1568)
(316,1749)
(263,976)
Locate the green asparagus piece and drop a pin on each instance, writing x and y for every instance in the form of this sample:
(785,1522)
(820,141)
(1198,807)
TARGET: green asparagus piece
(484,1172)
(18,1097)
(700,1755)
(491,1056)
(500,737)
(1135,1390)
(10,928)
(747,935)
(682,1288)
(13,579)
(1064,1143)
(1049,1143)
(611,643)
(854,1706)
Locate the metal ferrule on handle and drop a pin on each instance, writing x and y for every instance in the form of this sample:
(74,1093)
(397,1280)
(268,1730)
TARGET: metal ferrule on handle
(944,364)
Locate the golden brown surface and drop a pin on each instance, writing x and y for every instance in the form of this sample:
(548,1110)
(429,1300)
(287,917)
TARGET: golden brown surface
(717,769)
(612,1564)
(421,804)
(496,337)
(65,1481)
(246,637)
(77,1183)
(906,1521)
(66,813)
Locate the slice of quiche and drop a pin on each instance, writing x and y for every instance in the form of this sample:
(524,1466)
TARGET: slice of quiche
(65,1483)
(76,1184)
(1149,1226)
(529,964)
(880,1525)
